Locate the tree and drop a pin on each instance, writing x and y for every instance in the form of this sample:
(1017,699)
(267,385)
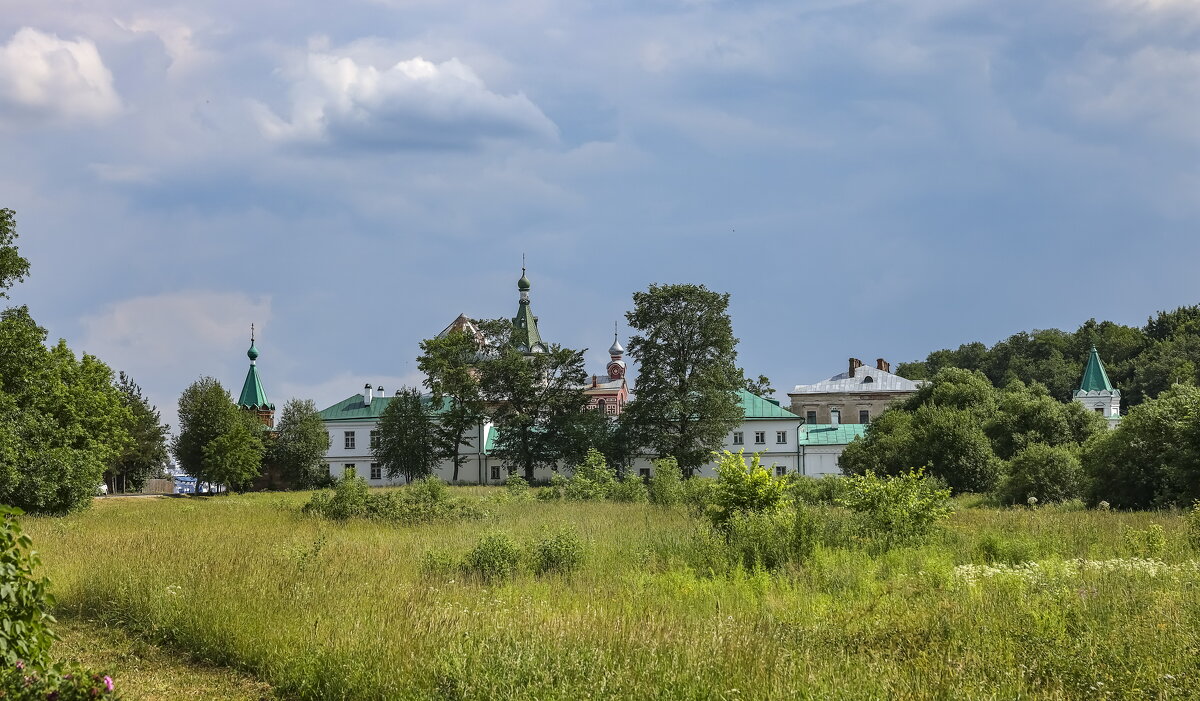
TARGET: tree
(1152,458)
(13,268)
(1049,473)
(146,454)
(538,405)
(451,375)
(298,450)
(408,442)
(1027,415)
(761,387)
(688,378)
(217,442)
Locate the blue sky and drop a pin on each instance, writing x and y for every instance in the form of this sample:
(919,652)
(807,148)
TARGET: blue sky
(864,178)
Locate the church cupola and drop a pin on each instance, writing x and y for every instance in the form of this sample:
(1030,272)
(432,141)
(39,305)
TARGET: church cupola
(616,366)
(253,396)
(1096,392)
(526,337)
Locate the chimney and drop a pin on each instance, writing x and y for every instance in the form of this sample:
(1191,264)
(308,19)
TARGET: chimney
(595,381)
(367,394)
(379,389)
(881,364)
(855,364)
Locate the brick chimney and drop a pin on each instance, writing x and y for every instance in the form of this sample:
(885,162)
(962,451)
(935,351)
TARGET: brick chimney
(881,364)
(855,364)
(595,381)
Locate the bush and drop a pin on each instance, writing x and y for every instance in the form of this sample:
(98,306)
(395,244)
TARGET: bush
(815,490)
(630,489)
(592,480)
(1150,542)
(21,682)
(24,599)
(1050,473)
(769,540)
(696,494)
(422,501)
(496,556)
(560,553)
(995,548)
(896,509)
(743,489)
(665,487)
(1193,527)
(517,487)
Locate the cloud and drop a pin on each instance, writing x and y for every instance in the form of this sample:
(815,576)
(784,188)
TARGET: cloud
(414,104)
(44,76)
(166,341)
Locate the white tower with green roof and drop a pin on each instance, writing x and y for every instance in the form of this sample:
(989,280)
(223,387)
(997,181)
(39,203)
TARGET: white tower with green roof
(1096,391)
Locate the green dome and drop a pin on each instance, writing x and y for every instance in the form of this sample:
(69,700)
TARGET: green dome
(523,283)
(252,354)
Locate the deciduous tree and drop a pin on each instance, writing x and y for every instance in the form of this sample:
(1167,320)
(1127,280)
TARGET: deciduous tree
(216,442)
(450,364)
(298,449)
(408,437)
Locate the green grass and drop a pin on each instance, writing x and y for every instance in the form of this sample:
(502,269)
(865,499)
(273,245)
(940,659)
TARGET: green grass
(327,610)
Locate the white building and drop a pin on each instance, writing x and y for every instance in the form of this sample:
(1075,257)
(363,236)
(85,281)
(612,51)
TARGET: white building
(1096,391)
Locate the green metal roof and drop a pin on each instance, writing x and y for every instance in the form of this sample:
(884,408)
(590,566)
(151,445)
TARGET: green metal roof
(253,396)
(828,434)
(490,442)
(353,408)
(755,407)
(1094,377)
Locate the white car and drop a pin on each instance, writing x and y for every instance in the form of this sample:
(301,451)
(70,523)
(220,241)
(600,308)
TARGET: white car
(102,489)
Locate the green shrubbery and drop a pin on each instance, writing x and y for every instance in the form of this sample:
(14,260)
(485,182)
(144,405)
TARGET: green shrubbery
(665,488)
(742,489)
(498,556)
(892,510)
(495,556)
(423,500)
(1193,527)
(1049,473)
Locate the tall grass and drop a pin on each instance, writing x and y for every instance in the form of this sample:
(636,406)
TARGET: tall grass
(342,610)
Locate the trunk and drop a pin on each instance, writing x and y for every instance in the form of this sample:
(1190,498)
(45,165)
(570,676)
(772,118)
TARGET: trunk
(455,480)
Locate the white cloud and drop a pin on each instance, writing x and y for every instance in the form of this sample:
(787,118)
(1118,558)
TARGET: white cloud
(413,104)
(177,40)
(44,76)
(166,341)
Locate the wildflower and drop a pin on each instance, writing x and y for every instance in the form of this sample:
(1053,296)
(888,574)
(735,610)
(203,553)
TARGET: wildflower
(20,664)
(108,683)
(1032,501)
(1103,506)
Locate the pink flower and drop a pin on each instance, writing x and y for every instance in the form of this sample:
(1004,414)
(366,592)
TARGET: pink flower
(108,683)
(20,664)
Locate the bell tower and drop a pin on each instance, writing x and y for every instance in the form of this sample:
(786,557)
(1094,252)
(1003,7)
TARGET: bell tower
(616,366)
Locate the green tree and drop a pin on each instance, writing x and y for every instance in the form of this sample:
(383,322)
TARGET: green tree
(538,404)
(298,450)
(452,376)
(1049,473)
(217,442)
(688,378)
(1027,415)
(761,387)
(408,437)
(145,456)
(13,268)
(1152,458)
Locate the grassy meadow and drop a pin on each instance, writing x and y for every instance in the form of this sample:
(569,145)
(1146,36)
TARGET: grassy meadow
(321,610)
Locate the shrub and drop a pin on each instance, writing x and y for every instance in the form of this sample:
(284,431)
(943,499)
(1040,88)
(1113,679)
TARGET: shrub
(496,556)
(560,553)
(424,500)
(438,562)
(995,548)
(742,488)
(815,490)
(592,480)
(1150,542)
(630,488)
(517,487)
(896,509)
(21,682)
(24,599)
(696,493)
(1049,473)
(1193,527)
(771,539)
(665,487)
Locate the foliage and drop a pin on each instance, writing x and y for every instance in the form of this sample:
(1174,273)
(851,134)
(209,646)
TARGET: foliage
(25,600)
(409,443)
(814,491)
(560,553)
(769,540)
(696,494)
(422,501)
(1010,550)
(1152,458)
(665,488)
(58,682)
(896,509)
(298,450)
(743,489)
(62,421)
(452,376)
(761,386)
(13,268)
(687,378)
(517,487)
(591,480)
(630,489)
(496,556)
(1148,542)
(145,455)
(1193,526)
(1050,473)
(217,442)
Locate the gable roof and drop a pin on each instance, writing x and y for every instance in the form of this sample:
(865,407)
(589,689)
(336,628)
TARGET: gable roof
(1095,379)
(828,434)
(354,408)
(756,407)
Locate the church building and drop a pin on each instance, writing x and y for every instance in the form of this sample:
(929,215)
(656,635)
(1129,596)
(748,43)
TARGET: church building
(1096,391)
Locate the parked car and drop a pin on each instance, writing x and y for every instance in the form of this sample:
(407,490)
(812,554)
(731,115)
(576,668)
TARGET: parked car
(101,489)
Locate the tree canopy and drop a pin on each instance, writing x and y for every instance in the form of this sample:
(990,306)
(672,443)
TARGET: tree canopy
(409,446)
(13,268)
(217,442)
(298,448)
(452,376)
(145,456)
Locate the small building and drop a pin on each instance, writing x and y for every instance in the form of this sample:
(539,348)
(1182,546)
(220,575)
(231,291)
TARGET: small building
(853,397)
(821,447)
(609,393)
(1096,391)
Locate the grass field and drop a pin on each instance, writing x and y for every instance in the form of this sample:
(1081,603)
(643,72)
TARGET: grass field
(319,609)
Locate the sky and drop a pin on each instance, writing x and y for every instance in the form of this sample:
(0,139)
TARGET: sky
(867,179)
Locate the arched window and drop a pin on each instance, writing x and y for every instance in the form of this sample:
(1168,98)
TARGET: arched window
(600,405)
(867,379)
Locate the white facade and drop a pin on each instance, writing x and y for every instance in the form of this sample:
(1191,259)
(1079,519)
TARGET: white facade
(1105,402)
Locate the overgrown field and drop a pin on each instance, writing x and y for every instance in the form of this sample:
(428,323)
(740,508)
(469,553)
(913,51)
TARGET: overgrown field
(323,609)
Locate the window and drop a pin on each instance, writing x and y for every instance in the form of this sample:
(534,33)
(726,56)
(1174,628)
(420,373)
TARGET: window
(781,437)
(374,440)
(349,440)
(864,416)
(810,417)
(867,379)
(496,473)
(1099,410)
(780,470)
(348,470)
(611,409)
(835,416)
(760,437)
(601,405)
(376,471)
(644,473)
(738,438)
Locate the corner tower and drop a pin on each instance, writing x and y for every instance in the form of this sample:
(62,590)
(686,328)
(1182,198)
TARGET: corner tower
(526,336)
(1096,391)
(254,397)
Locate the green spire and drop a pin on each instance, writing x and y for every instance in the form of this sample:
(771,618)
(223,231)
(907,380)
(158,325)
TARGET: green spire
(525,330)
(253,396)
(1094,377)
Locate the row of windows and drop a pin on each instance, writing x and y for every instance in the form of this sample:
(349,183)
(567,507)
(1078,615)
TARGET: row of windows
(349,441)
(350,470)
(760,438)
(864,416)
